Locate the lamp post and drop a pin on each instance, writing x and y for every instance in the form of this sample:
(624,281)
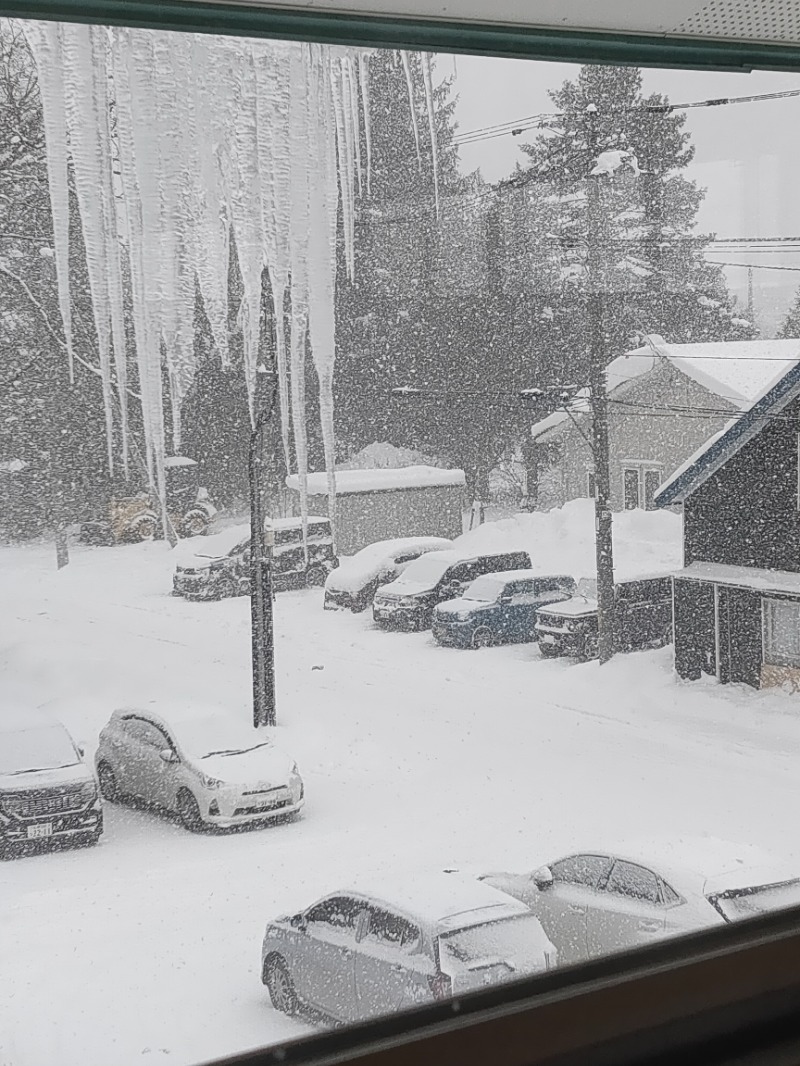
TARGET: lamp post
(261,587)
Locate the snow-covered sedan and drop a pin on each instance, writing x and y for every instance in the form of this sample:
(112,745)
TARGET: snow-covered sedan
(594,903)
(353,583)
(363,952)
(208,770)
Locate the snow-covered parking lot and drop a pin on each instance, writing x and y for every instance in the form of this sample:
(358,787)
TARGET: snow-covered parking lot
(146,948)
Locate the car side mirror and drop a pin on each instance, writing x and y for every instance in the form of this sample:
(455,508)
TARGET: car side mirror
(81,750)
(168,755)
(298,921)
(542,878)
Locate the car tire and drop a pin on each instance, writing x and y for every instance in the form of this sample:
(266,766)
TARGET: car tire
(281,986)
(109,789)
(482,637)
(548,651)
(189,811)
(143,527)
(315,577)
(194,523)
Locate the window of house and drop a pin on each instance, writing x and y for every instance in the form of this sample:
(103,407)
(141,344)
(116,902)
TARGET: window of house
(781,622)
(640,484)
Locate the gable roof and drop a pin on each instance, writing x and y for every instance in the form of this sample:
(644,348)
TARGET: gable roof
(732,438)
(736,371)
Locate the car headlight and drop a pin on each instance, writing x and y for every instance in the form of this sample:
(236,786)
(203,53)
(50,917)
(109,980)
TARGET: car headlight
(209,782)
(88,792)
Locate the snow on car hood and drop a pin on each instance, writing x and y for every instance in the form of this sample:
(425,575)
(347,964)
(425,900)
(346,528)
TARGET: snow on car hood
(573,608)
(76,774)
(461,606)
(264,765)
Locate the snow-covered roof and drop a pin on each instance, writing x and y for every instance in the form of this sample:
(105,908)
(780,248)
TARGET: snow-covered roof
(743,577)
(356,481)
(736,371)
(778,392)
(436,897)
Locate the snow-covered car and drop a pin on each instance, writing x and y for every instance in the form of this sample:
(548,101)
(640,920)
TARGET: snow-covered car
(353,583)
(208,770)
(498,608)
(363,952)
(47,792)
(643,619)
(594,903)
(222,568)
(409,600)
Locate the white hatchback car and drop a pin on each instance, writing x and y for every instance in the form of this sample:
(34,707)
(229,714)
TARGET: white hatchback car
(209,770)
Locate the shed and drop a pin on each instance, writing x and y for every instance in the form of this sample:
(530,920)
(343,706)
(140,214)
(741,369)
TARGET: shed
(414,501)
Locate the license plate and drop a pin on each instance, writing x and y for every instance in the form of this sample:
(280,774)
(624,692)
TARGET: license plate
(38,832)
(547,638)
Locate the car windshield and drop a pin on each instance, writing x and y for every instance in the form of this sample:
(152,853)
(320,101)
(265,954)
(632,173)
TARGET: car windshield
(484,590)
(39,748)
(749,902)
(517,941)
(426,571)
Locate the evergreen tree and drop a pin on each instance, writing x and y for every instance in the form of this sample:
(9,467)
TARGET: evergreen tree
(791,324)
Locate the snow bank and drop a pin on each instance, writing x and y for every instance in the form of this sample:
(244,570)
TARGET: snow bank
(384,456)
(562,540)
(353,481)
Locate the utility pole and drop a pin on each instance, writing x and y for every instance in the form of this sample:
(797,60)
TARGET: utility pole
(599,407)
(261,582)
(751,309)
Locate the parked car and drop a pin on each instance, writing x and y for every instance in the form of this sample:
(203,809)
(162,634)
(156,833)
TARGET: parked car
(408,601)
(48,794)
(594,903)
(352,585)
(359,953)
(643,620)
(219,571)
(497,608)
(208,770)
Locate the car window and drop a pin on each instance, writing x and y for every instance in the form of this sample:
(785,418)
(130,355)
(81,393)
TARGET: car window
(338,912)
(669,894)
(391,930)
(145,732)
(581,869)
(633,881)
(463,572)
(405,557)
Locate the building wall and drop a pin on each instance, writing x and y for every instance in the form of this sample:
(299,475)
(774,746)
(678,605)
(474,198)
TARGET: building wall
(747,513)
(365,517)
(644,428)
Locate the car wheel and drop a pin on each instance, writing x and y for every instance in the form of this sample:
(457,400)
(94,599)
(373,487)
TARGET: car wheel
(482,637)
(548,651)
(143,528)
(189,812)
(109,789)
(281,986)
(315,577)
(194,523)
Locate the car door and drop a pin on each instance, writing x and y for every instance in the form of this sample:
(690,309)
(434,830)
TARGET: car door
(564,906)
(325,971)
(630,911)
(128,756)
(519,610)
(457,579)
(156,777)
(389,963)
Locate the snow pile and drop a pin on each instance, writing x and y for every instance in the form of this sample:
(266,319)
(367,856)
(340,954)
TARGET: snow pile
(385,456)
(352,481)
(562,540)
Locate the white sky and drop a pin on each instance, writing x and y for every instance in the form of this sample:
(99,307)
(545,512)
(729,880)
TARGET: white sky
(746,155)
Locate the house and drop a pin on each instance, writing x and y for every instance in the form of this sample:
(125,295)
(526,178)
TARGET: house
(382,503)
(664,402)
(736,603)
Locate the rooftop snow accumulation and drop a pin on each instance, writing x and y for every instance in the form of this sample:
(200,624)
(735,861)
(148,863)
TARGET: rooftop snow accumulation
(779,581)
(737,371)
(433,897)
(349,482)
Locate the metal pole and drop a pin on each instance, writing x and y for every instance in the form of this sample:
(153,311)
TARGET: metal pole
(261,584)
(599,406)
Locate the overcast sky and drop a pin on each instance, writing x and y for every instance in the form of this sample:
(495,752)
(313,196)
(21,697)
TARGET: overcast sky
(746,155)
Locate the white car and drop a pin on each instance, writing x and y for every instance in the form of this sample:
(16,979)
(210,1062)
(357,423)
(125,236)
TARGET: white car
(210,771)
(594,903)
(352,585)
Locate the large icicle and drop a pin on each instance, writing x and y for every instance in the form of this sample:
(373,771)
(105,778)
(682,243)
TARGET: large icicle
(427,78)
(363,76)
(412,107)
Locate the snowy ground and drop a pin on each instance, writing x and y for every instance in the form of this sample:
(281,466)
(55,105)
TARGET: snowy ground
(146,949)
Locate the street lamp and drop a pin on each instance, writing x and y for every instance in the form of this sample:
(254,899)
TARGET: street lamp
(261,587)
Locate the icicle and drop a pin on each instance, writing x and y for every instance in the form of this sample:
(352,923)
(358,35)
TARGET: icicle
(363,75)
(348,208)
(410,87)
(351,87)
(44,39)
(427,77)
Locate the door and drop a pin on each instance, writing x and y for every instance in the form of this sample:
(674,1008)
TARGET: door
(519,612)
(390,969)
(563,907)
(325,971)
(156,781)
(629,912)
(457,579)
(132,764)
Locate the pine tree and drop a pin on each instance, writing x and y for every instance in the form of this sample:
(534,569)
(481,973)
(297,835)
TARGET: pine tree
(791,324)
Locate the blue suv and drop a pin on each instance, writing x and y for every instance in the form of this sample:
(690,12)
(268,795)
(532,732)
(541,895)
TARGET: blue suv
(498,608)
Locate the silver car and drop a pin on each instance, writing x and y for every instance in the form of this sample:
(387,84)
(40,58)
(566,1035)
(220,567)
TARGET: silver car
(210,771)
(360,953)
(596,903)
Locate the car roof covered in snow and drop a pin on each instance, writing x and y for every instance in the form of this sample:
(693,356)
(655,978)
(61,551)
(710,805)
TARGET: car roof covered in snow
(355,571)
(505,577)
(382,480)
(200,730)
(438,898)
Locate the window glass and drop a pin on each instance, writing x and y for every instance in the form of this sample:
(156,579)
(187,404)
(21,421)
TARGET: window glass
(581,869)
(631,487)
(628,879)
(652,480)
(391,930)
(671,897)
(782,632)
(339,912)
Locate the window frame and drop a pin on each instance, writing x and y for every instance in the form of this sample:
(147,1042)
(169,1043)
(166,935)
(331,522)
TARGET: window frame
(768,658)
